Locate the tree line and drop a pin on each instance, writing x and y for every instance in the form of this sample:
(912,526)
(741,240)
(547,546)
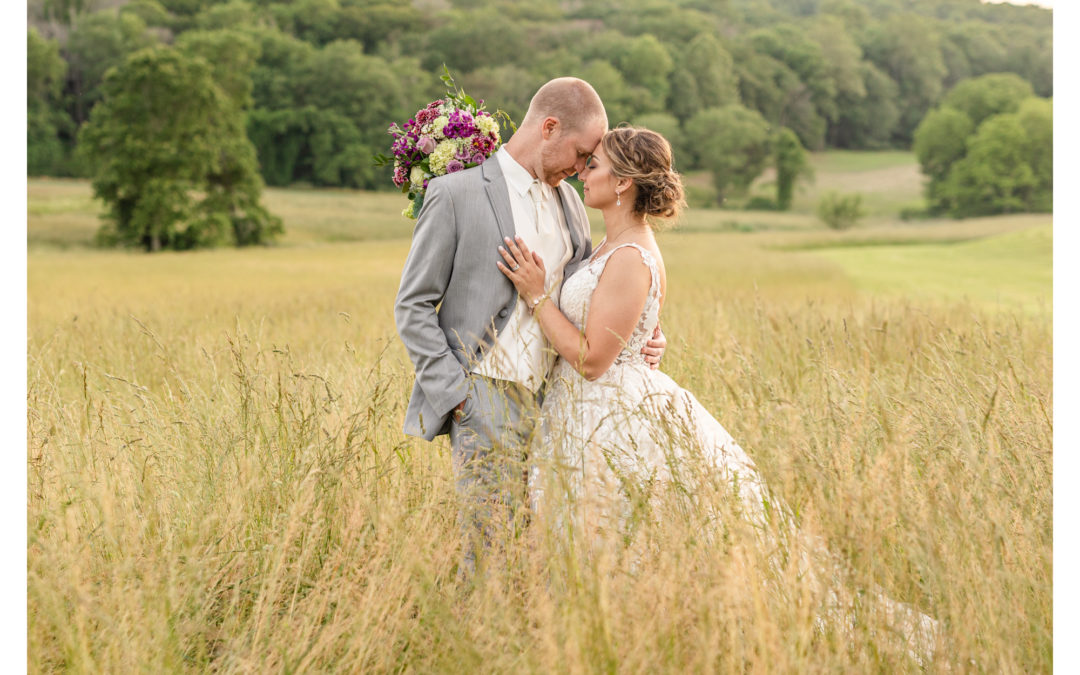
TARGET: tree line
(736,85)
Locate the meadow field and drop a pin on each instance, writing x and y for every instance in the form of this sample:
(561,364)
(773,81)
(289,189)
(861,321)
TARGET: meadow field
(217,479)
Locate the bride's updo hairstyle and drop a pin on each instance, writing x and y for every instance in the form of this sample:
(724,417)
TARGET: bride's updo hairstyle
(644,157)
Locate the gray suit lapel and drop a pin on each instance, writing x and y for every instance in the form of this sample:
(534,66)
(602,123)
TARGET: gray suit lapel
(579,230)
(499,196)
(571,222)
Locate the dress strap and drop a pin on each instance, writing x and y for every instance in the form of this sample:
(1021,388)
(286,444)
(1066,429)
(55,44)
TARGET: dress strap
(648,259)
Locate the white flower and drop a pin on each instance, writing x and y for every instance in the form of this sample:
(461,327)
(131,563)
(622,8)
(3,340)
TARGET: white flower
(444,152)
(488,125)
(437,126)
(417,175)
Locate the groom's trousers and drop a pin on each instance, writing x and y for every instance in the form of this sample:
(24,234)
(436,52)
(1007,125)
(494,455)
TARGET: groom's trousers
(489,441)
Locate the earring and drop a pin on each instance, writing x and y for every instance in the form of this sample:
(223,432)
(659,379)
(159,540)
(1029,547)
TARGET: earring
(618,199)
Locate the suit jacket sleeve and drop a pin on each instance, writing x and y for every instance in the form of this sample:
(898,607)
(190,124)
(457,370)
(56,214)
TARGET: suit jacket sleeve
(423,283)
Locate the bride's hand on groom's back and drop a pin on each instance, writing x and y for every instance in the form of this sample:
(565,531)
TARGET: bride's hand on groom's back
(654,349)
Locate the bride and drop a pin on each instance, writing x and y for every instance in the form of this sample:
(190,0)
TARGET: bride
(612,429)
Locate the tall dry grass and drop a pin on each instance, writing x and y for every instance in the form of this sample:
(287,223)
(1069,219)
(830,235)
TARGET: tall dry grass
(217,479)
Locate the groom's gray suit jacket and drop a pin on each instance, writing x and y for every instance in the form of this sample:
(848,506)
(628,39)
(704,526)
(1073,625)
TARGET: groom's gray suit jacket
(453,298)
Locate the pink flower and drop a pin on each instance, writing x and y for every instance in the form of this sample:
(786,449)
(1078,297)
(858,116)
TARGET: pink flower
(400,175)
(426,145)
(454,166)
(426,115)
(478,158)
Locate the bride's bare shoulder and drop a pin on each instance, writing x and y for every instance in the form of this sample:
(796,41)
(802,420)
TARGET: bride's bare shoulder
(648,245)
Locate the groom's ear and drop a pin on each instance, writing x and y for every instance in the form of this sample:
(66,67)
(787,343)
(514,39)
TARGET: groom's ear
(549,128)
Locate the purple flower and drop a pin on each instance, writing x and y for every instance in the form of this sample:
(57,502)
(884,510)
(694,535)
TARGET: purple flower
(402,146)
(478,158)
(460,125)
(454,166)
(426,144)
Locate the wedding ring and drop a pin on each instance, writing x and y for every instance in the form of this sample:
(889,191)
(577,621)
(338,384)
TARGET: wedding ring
(515,268)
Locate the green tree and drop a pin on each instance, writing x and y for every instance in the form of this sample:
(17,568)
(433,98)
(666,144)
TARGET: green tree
(940,142)
(45,118)
(1030,54)
(172,162)
(65,11)
(765,84)
(309,144)
(810,99)
(643,65)
(231,14)
(733,143)
(320,114)
(382,23)
(232,55)
(705,78)
(1037,119)
(867,121)
(855,16)
(464,43)
(947,136)
(186,8)
(995,175)
(151,13)
(508,87)
(316,21)
(675,25)
(791,163)
(841,54)
(98,42)
(277,77)
(646,63)
(982,46)
(907,47)
(356,89)
(619,100)
(773,88)
(983,97)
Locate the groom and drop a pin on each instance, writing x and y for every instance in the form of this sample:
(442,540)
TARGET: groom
(479,355)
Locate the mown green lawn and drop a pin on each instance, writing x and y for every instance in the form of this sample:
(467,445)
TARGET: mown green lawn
(1007,270)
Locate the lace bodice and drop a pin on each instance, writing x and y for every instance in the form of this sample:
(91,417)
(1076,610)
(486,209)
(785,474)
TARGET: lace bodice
(578,290)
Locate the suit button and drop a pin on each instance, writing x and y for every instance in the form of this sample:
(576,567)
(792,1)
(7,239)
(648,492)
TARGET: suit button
(503,313)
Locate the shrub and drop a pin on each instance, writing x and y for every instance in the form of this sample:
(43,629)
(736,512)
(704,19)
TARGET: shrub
(840,211)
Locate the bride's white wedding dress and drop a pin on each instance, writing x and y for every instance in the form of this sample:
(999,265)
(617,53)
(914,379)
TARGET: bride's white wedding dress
(631,423)
(604,443)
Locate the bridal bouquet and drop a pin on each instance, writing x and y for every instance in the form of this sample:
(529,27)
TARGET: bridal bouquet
(446,136)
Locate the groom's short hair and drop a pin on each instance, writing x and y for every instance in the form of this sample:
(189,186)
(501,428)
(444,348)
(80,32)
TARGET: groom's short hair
(573,101)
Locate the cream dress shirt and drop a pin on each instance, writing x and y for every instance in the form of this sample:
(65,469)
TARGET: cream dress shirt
(521,353)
